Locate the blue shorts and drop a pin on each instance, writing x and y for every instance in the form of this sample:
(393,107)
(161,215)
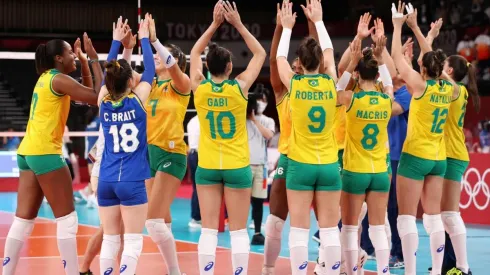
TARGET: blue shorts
(127,193)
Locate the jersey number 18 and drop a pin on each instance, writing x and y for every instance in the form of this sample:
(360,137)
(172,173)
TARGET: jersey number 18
(128,142)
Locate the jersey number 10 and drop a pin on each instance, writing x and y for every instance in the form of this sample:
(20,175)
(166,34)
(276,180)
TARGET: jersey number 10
(128,142)
(219,122)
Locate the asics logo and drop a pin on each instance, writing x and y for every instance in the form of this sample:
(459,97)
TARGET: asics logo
(64,264)
(303,266)
(108,271)
(6,261)
(209,266)
(386,269)
(123,267)
(167,164)
(239,270)
(355,268)
(440,249)
(336,265)
(168,59)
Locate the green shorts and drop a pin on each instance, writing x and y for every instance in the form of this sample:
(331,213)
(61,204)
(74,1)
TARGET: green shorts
(309,177)
(416,168)
(233,178)
(455,169)
(40,164)
(282,167)
(341,160)
(170,163)
(361,183)
(388,164)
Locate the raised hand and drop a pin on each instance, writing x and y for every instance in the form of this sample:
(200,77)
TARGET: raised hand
(379,30)
(288,18)
(151,26)
(306,10)
(315,12)
(408,51)
(278,15)
(379,47)
(412,18)
(435,28)
(144,31)
(77,48)
(363,30)
(231,14)
(355,51)
(408,43)
(398,18)
(219,13)
(119,29)
(129,41)
(89,48)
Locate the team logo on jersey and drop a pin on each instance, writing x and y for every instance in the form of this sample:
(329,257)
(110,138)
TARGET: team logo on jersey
(64,264)
(217,89)
(373,101)
(239,270)
(440,249)
(117,104)
(336,265)
(108,271)
(6,261)
(209,266)
(167,164)
(303,266)
(313,82)
(123,267)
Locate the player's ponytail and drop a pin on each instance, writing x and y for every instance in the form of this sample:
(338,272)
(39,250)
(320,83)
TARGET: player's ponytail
(310,54)
(462,68)
(217,59)
(118,73)
(368,65)
(433,62)
(46,54)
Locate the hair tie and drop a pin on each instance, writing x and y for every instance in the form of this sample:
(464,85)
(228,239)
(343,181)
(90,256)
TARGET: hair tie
(468,64)
(118,65)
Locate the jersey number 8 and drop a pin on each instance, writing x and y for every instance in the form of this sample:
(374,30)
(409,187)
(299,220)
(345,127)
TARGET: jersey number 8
(126,138)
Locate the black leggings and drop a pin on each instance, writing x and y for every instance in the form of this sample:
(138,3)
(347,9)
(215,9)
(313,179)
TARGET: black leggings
(257,213)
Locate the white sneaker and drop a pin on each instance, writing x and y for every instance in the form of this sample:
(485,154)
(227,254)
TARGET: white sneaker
(195,224)
(92,202)
(84,193)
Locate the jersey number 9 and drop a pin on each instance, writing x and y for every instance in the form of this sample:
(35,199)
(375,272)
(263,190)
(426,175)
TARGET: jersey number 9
(317,115)
(128,142)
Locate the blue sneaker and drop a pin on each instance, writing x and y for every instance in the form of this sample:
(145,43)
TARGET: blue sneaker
(396,263)
(316,237)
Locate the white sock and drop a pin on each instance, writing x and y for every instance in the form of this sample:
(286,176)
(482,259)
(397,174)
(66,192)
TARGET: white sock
(454,226)
(298,249)
(206,249)
(162,235)
(133,244)
(66,233)
(407,229)
(388,230)
(108,253)
(435,228)
(377,234)
(273,236)
(330,238)
(350,248)
(240,250)
(19,231)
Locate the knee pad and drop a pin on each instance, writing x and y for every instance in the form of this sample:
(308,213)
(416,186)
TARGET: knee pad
(377,234)
(453,223)
(133,244)
(157,229)
(67,226)
(406,225)
(240,242)
(298,237)
(433,223)
(21,229)
(363,213)
(330,236)
(273,227)
(110,246)
(208,241)
(387,228)
(349,237)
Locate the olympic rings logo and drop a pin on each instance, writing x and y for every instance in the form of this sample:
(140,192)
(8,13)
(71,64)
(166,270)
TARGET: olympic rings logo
(472,192)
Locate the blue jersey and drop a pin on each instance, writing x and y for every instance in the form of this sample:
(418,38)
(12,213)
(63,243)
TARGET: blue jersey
(91,140)
(125,156)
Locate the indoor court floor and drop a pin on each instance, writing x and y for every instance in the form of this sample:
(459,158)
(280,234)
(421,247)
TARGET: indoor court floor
(40,253)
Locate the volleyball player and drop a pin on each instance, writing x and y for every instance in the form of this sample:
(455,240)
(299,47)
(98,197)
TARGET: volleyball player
(124,167)
(365,176)
(313,170)
(43,171)
(423,160)
(221,105)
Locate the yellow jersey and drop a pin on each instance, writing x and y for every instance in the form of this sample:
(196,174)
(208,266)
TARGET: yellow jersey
(283,111)
(313,100)
(47,119)
(166,108)
(367,134)
(428,114)
(453,133)
(222,111)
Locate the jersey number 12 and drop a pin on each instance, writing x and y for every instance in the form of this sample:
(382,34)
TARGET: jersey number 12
(128,142)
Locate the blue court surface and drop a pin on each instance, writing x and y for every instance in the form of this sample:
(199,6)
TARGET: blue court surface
(478,236)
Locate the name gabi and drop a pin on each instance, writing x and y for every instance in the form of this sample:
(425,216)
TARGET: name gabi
(308,95)
(122,117)
(444,99)
(217,102)
(372,114)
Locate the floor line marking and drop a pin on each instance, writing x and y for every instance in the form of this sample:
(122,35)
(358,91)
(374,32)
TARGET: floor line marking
(48,237)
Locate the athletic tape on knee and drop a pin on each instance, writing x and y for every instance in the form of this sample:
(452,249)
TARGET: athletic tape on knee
(453,223)
(240,242)
(298,237)
(273,227)
(406,225)
(157,229)
(67,226)
(133,244)
(208,241)
(110,246)
(433,223)
(363,213)
(330,236)
(21,229)
(349,237)
(377,234)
